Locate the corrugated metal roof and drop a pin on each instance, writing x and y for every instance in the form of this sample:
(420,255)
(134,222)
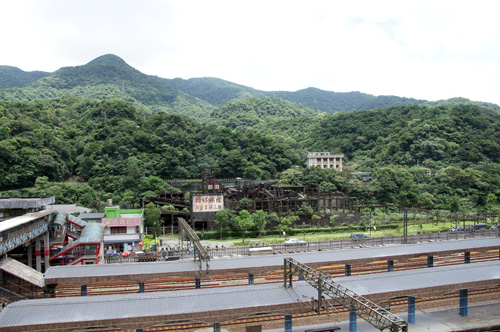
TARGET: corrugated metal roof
(91,215)
(95,308)
(22,271)
(26,203)
(269,260)
(18,221)
(421,278)
(64,310)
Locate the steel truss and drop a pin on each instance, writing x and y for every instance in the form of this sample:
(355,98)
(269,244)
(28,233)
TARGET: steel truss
(200,253)
(366,309)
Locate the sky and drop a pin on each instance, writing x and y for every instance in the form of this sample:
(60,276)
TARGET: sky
(420,49)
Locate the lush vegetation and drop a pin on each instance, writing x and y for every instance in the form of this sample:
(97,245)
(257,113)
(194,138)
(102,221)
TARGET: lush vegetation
(12,77)
(110,77)
(121,154)
(255,112)
(105,130)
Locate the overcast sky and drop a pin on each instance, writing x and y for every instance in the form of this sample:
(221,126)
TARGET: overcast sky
(422,49)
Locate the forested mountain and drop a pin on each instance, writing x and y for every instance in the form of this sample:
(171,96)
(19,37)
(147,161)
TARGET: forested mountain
(254,112)
(217,92)
(122,154)
(214,90)
(12,77)
(332,102)
(108,77)
(113,129)
(111,146)
(433,137)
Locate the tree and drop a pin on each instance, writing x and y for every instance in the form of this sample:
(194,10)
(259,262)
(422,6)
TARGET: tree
(152,216)
(454,204)
(333,219)
(244,204)
(260,220)
(305,211)
(128,196)
(491,201)
(244,222)
(224,217)
(285,225)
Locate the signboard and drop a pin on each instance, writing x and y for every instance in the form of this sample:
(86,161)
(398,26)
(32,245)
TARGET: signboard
(111,222)
(208,203)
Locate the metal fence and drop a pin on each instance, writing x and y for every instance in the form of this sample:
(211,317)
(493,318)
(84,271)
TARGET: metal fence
(185,253)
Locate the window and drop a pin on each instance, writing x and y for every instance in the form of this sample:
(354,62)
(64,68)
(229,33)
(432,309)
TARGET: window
(118,230)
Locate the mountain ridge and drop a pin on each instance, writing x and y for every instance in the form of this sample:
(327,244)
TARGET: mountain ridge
(109,76)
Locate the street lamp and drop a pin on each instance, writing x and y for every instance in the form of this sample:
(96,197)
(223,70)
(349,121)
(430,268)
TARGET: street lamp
(156,242)
(303,232)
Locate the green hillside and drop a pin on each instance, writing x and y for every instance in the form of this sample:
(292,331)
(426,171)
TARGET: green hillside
(332,102)
(214,90)
(254,112)
(108,77)
(12,77)
(435,136)
(115,149)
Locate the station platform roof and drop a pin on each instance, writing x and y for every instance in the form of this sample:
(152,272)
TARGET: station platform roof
(79,275)
(228,303)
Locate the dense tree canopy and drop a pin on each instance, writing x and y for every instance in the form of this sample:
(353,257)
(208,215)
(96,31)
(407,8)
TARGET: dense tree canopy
(105,130)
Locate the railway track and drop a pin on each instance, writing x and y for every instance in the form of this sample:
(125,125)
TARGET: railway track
(335,313)
(332,312)
(241,279)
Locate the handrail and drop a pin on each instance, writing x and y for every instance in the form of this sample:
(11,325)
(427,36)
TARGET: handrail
(366,309)
(199,250)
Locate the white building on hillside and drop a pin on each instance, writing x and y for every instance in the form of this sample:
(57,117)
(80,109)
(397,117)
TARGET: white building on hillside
(324,160)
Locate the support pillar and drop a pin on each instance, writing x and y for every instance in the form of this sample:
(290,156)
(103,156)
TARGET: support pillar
(288,323)
(142,289)
(467,257)
(464,302)
(348,270)
(83,290)
(320,295)
(353,326)
(411,309)
(216,327)
(197,283)
(430,261)
(38,255)
(30,254)
(390,266)
(46,250)
(250,279)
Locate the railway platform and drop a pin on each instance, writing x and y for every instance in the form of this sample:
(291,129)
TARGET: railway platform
(482,317)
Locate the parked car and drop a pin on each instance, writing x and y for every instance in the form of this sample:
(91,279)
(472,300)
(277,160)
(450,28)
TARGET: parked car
(494,226)
(359,236)
(294,241)
(457,229)
(477,227)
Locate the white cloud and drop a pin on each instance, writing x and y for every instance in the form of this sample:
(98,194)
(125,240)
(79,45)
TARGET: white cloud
(425,49)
